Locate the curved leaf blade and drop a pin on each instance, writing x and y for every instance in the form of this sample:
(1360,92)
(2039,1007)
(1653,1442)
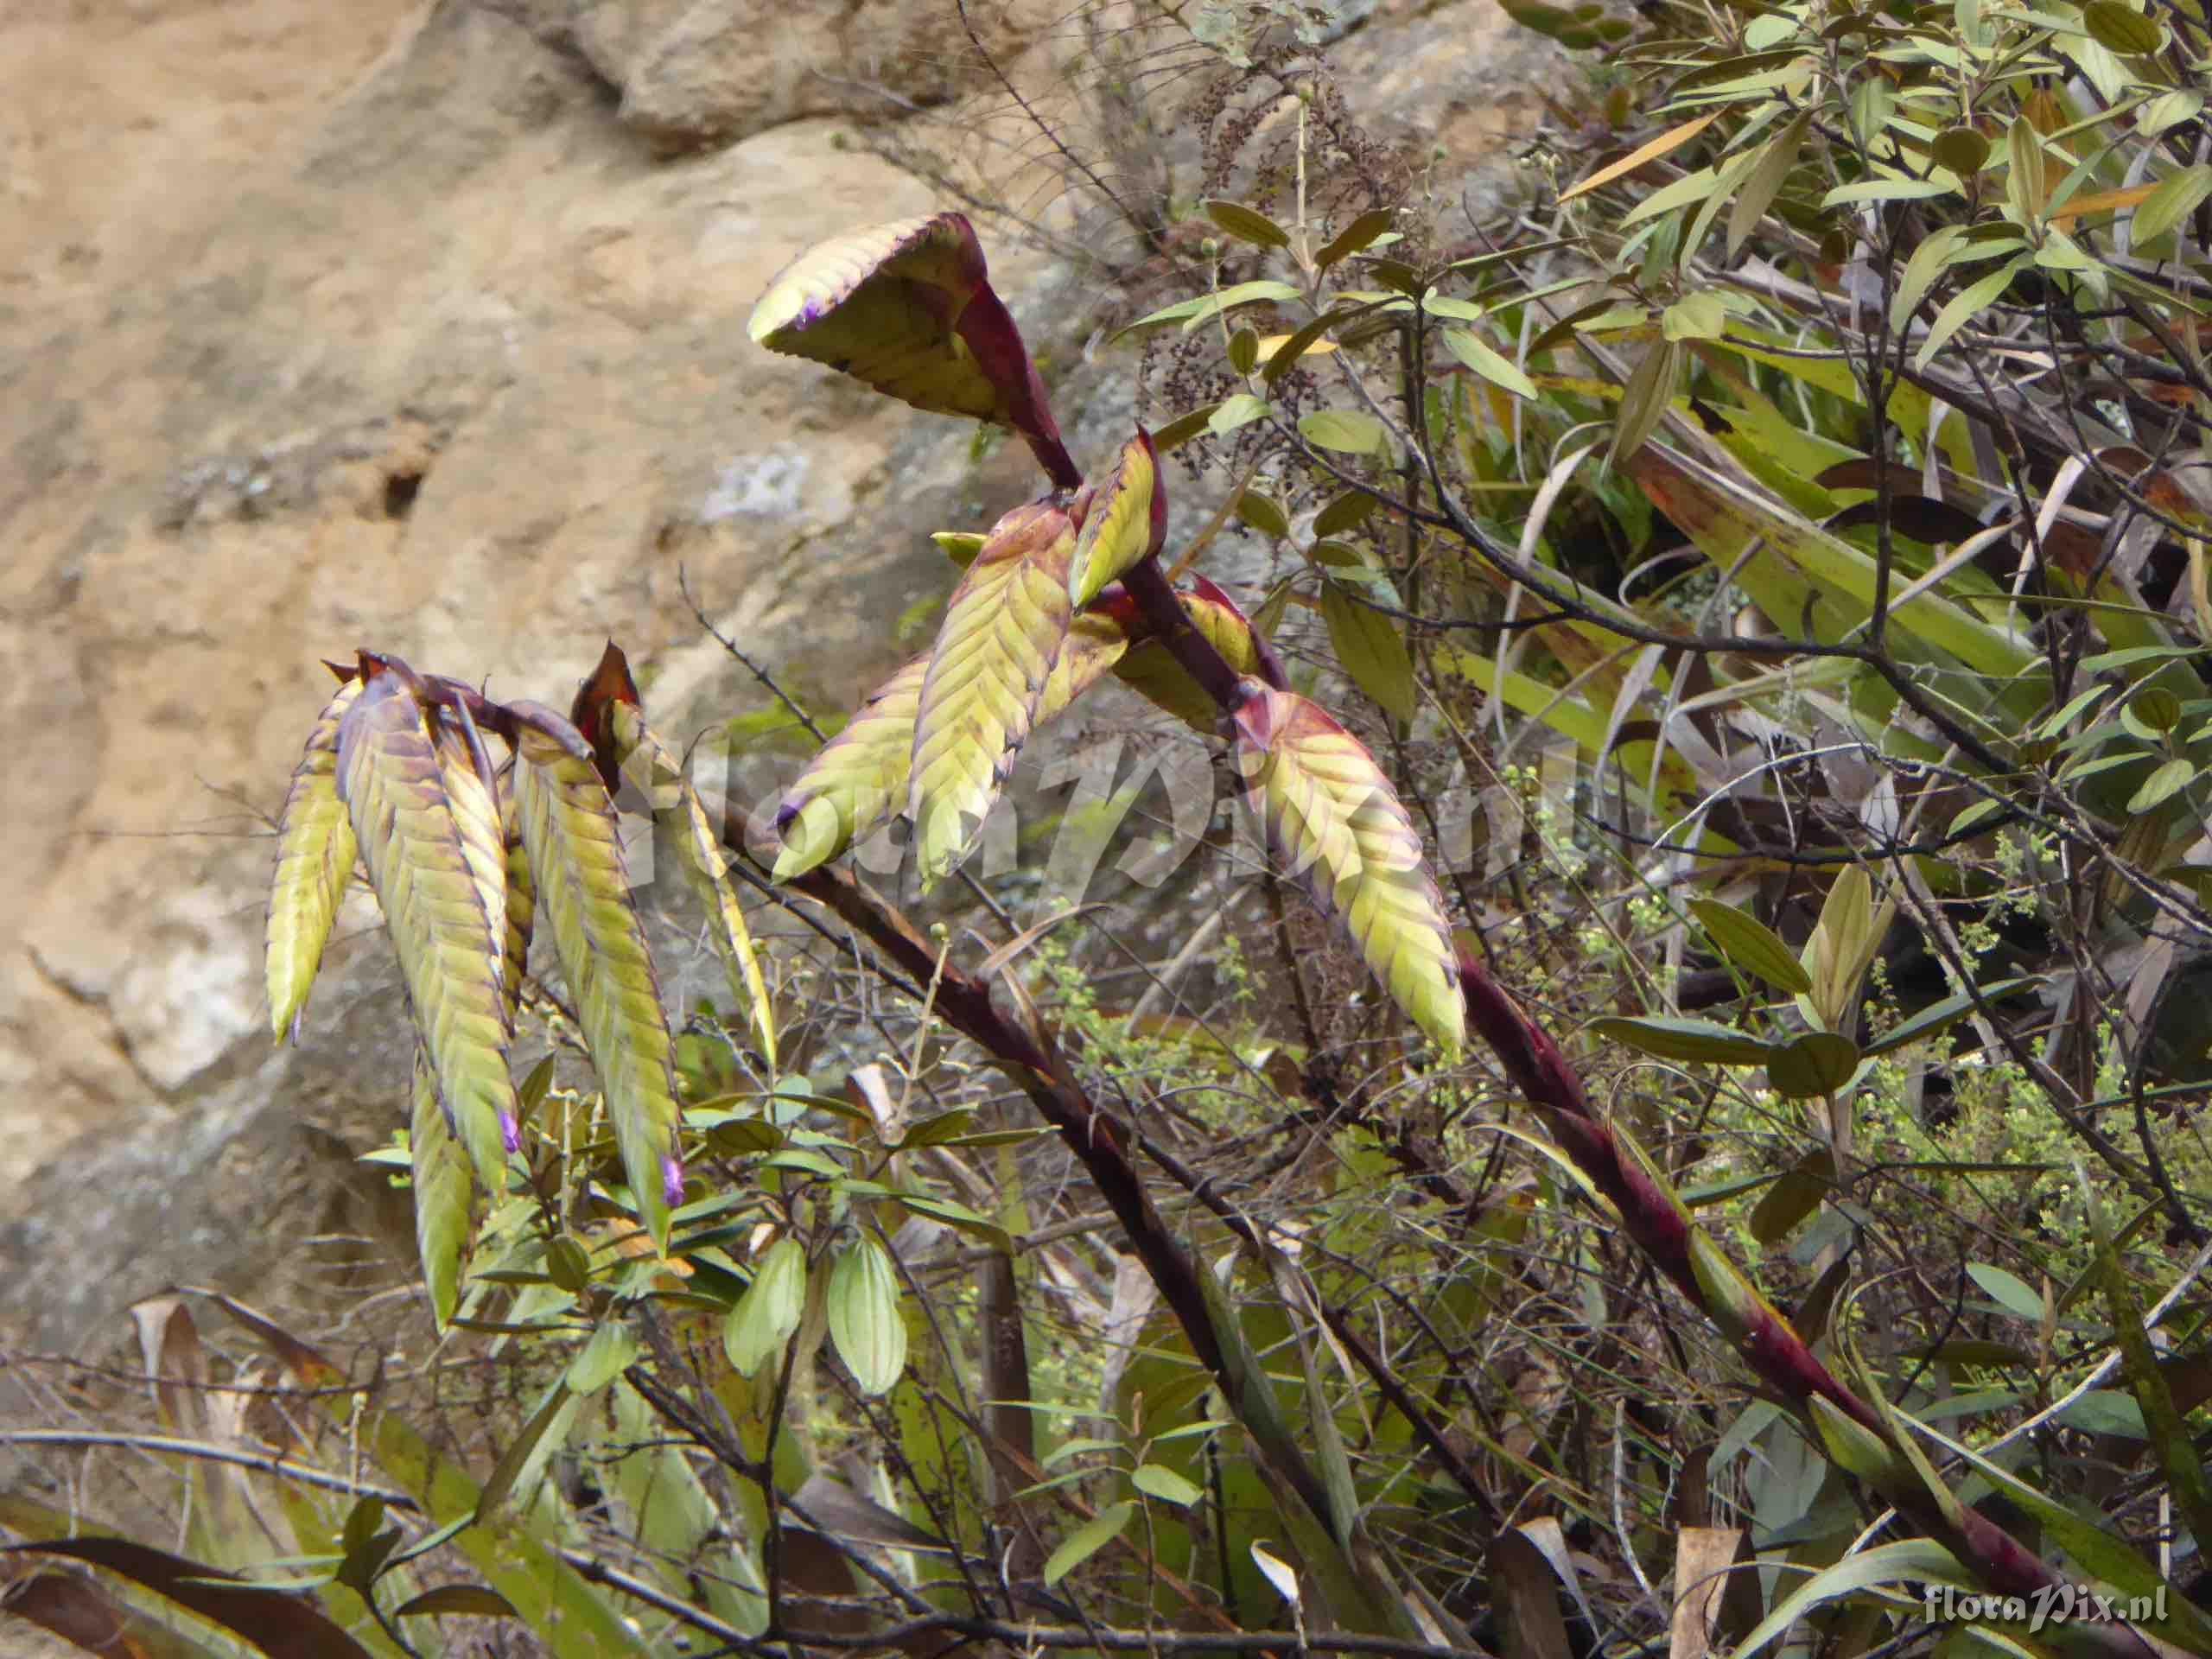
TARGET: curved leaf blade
(1750,944)
(315,860)
(393,783)
(1127,522)
(855,780)
(909,308)
(439,1173)
(706,868)
(576,852)
(1002,634)
(1333,821)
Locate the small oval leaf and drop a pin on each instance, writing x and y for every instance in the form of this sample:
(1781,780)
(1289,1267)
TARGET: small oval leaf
(1817,1063)
(1346,431)
(1247,225)
(1156,1480)
(864,1319)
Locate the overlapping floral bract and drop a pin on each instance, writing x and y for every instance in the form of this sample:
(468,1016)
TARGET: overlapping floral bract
(465,855)
(1075,578)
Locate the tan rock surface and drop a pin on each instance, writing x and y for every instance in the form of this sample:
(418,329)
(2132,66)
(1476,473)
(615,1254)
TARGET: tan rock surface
(383,334)
(383,323)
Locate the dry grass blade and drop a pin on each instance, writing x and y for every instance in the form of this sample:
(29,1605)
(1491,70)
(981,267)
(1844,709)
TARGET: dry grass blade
(583,887)
(315,860)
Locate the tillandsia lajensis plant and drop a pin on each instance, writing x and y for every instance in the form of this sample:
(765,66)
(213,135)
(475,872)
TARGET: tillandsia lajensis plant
(614,1217)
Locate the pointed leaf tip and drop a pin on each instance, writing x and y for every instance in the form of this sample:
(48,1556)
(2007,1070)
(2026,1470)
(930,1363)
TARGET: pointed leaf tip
(1127,521)
(316,850)
(908,308)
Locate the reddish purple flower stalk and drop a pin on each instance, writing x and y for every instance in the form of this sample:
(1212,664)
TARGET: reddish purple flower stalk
(1657,1223)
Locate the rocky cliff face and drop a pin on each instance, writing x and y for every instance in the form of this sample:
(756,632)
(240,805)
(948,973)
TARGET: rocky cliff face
(418,325)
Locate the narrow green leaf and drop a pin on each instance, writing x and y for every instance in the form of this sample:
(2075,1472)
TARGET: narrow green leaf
(1964,306)
(2009,1290)
(1485,360)
(457,1601)
(2170,779)
(1644,401)
(1229,299)
(1764,183)
(1246,224)
(1371,649)
(1238,410)
(1087,1540)
(2178,196)
(1157,1480)
(1360,234)
(1916,1560)
(1669,1037)
(1750,944)
(1927,262)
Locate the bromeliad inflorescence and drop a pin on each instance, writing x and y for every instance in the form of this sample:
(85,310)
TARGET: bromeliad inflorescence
(1062,591)
(466,857)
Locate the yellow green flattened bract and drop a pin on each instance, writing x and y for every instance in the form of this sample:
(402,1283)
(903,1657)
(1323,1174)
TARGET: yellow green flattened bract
(389,775)
(883,304)
(1128,521)
(1002,632)
(1096,641)
(522,908)
(467,779)
(855,780)
(1332,819)
(583,890)
(315,860)
(705,867)
(1150,669)
(440,1173)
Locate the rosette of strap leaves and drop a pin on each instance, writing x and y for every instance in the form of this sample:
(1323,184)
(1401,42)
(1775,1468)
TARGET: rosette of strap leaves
(465,856)
(1331,820)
